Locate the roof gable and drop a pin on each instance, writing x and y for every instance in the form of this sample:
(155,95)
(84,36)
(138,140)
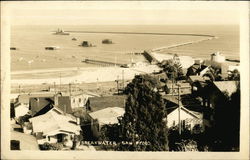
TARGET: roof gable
(226,86)
(108,115)
(53,122)
(40,103)
(191,113)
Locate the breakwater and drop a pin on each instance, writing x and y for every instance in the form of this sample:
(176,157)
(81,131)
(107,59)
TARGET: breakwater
(182,44)
(147,33)
(102,63)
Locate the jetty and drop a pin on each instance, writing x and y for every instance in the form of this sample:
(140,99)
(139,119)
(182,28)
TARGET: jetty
(103,63)
(147,33)
(150,57)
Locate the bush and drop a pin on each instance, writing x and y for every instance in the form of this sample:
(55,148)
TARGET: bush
(23,119)
(51,146)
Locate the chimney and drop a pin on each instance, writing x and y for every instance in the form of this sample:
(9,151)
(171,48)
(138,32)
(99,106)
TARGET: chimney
(78,121)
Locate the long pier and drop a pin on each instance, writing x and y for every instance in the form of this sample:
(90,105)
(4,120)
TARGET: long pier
(102,63)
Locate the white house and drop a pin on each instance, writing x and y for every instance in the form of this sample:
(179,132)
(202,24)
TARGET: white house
(54,127)
(105,116)
(188,118)
(73,100)
(21,109)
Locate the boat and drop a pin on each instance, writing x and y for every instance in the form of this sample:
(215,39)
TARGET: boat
(107,41)
(87,44)
(60,32)
(13,48)
(52,48)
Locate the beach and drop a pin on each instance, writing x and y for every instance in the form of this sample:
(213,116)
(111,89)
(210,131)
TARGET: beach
(32,64)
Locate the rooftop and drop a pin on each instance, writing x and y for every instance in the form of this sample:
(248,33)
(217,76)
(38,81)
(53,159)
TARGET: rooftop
(226,86)
(108,115)
(54,122)
(98,103)
(27,142)
(196,78)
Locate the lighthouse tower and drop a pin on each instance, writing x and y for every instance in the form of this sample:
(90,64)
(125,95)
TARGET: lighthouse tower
(217,57)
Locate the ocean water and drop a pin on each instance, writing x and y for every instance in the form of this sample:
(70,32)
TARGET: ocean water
(32,40)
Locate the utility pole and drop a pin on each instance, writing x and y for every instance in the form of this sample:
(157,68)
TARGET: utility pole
(19,89)
(123,79)
(117,81)
(55,87)
(179,109)
(97,85)
(70,89)
(172,87)
(60,83)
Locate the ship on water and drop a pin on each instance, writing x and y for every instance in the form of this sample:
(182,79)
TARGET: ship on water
(60,32)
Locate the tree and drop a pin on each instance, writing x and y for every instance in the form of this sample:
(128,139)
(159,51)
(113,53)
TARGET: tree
(224,132)
(23,119)
(226,128)
(214,74)
(143,126)
(172,69)
(234,75)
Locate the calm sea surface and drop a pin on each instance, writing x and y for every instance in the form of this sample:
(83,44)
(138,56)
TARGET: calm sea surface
(32,40)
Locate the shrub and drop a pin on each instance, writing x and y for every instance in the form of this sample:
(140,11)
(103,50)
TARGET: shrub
(51,146)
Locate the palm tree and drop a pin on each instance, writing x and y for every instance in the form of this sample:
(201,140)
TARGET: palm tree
(213,74)
(234,75)
(172,69)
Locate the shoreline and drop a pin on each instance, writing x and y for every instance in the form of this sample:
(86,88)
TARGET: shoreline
(89,75)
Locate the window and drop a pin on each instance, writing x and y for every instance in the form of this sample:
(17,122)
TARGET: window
(173,123)
(80,100)
(48,138)
(14,145)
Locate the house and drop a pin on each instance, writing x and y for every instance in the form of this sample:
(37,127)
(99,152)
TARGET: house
(23,99)
(189,119)
(98,103)
(34,102)
(226,86)
(223,67)
(20,109)
(40,104)
(197,69)
(73,100)
(204,71)
(217,96)
(197,83)
(219,90)
(55,126)
(184,88)
(105,116)
(195,78)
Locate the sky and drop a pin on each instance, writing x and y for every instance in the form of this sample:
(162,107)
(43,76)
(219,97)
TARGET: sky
(122,13)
